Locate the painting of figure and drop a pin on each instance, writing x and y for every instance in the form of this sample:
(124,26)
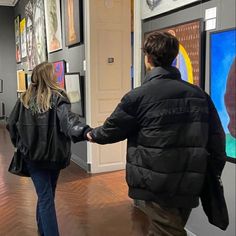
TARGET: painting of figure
(188,60)
(39,32)
(30,42)
(223,83)
(17,39)
(53,24)
(73,22)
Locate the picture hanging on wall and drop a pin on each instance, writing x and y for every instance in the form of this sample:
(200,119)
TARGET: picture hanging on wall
(73,22)
(17,39)
(21,81)
(30,39)
(152,8)
(74,89)
(53,25)
(188,60)
(223,84)
(23,38)
(28,80)
(59,68)
(40,54)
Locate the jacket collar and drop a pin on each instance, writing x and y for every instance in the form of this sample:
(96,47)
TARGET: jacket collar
(170,72)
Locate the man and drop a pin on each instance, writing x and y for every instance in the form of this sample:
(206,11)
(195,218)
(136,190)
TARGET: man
(172,127)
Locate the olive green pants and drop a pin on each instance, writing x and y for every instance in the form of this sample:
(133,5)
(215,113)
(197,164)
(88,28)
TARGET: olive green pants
(166,221)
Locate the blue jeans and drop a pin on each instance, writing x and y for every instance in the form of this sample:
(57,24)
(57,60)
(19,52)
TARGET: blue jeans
(45,182)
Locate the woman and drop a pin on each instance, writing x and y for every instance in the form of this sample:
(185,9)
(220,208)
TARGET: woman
(42,126)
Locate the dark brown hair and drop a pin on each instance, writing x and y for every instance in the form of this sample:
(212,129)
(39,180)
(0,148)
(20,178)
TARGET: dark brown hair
(162,47)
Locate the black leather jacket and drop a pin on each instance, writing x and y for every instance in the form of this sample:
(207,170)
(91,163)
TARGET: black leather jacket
(172,127)
(45,138)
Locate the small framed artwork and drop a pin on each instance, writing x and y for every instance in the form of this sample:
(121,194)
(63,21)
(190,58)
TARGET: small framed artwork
(189,60)
(1,86)
(21,81)
(53,25)
(73,22)
(59,68)
(17,39)
(74,89)
(223,84)
(28,80)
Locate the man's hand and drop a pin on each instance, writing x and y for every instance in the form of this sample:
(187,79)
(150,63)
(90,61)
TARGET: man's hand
(89,137)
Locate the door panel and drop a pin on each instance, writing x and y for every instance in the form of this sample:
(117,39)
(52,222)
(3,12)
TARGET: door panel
(110,60)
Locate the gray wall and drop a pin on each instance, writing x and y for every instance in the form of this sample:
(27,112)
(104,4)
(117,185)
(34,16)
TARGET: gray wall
(7,58)
(198,223)
(74,56)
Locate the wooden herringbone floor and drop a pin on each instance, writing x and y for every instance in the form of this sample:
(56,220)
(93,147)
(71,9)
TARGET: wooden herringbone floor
(87,205)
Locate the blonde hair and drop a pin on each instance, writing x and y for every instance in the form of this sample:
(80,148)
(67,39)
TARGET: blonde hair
(43,84)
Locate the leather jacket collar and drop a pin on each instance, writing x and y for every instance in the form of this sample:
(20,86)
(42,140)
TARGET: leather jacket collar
(170,72)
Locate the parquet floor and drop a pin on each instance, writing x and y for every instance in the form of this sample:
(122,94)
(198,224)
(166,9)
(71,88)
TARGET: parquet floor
(87,205)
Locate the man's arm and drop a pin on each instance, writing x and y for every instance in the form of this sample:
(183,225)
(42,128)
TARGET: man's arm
(121,123)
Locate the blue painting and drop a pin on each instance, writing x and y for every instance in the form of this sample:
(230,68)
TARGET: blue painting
(223,83)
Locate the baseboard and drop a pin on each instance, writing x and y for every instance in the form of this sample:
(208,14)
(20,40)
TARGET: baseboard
(81,163)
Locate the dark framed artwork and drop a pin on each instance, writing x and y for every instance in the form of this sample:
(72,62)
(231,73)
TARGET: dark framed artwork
(74,89)
(223,84)
(53,25)
(17,39)
(73,22)
(189,58)
(40,54)
(30,39)
(59,69)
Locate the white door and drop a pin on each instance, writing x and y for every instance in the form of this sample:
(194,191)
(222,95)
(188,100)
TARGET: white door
(109,60)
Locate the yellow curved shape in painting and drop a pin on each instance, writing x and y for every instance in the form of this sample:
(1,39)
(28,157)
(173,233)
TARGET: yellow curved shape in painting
(188,63)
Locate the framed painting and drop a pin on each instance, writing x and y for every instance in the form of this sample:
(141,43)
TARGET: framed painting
(17,39)
(74,90)
(40,53)
(73,22)
(152,8)
(23,38)
(28,80)
(188,60)
(59,69)
(53,25)
(21,81)
(223,84)
(30,39)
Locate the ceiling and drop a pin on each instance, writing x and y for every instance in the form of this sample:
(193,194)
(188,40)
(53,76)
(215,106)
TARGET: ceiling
(11,3)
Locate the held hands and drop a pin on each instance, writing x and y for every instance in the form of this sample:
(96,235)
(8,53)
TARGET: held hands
(89,137)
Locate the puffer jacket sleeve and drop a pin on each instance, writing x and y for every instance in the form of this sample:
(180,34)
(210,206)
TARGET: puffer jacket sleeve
(11,122)
(216,141)
(121,123)
(69,122)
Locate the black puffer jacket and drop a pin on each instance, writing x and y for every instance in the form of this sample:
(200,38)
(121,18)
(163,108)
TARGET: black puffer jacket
(172,127)
(45,138)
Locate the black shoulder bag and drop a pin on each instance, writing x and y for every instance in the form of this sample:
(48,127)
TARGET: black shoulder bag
(18,165)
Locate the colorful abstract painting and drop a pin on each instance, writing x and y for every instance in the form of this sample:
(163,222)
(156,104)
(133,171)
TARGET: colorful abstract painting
(223,83)
(23,37)
(188,60)
(59,68)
